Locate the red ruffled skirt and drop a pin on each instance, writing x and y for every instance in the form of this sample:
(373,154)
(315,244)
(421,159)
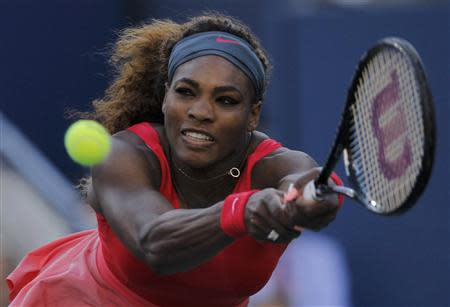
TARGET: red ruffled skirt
(68,272)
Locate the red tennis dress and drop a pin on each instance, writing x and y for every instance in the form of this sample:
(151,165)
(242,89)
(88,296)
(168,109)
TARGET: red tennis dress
(93,267)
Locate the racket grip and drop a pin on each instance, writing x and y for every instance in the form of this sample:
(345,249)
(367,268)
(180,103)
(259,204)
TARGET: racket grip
(310,192)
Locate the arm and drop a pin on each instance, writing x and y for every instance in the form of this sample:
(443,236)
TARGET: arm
(285,166)
(125,188)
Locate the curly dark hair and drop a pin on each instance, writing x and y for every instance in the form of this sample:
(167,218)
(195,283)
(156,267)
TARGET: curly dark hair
(139,59)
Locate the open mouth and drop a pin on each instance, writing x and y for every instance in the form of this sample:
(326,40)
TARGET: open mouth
(197,136)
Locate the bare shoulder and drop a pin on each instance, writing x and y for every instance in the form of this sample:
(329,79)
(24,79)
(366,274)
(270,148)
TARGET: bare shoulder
(281,163)
(129,165)
(130,152)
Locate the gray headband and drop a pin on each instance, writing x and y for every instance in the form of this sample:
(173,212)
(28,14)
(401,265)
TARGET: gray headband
(223,44)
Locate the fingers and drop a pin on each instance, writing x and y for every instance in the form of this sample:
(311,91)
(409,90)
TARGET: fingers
(307,177)
(266,220)
(261,230)
(296,188)
(291,194)
(315,215)
(275,219)
(274,216)
(309,213)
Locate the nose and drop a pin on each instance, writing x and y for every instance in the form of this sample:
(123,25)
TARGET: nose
(201,110)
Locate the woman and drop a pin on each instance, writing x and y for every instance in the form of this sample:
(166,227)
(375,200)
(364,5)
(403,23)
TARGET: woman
(192,203)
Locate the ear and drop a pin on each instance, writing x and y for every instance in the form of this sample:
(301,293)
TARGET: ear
(166,87)
(255,113)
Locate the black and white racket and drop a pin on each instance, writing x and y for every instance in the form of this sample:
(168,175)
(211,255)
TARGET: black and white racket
(387,131)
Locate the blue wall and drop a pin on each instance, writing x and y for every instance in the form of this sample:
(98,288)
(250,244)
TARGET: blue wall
(52,60)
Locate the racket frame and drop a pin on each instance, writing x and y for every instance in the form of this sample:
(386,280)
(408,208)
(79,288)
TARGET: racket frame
(341,142)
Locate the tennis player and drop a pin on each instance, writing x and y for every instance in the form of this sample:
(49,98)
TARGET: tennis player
(192,204)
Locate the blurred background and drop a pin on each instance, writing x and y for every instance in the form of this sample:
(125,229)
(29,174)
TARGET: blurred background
(53,59)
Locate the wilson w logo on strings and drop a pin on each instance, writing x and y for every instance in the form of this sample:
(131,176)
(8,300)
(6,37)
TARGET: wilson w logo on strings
(389,126)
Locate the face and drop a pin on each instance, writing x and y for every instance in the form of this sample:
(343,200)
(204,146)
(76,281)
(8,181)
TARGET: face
(209,109)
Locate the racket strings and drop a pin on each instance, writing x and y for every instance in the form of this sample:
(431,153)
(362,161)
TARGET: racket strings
(386,134)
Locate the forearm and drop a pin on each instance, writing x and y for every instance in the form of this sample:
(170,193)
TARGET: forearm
(179,240)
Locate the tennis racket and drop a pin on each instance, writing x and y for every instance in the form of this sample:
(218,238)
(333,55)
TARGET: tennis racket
(387,132)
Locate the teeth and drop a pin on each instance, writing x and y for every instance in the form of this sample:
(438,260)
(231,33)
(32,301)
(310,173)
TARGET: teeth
(197,135)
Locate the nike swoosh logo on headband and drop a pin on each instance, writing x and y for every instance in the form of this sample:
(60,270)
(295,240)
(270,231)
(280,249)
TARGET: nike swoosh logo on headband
(227,41)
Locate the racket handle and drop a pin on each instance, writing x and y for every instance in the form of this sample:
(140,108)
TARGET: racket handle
(310,192)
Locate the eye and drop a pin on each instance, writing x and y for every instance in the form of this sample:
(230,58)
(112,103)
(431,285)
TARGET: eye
(184,91)
(228,101)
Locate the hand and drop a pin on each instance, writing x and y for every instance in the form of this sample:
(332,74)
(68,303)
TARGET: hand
(266,218)
(310,214)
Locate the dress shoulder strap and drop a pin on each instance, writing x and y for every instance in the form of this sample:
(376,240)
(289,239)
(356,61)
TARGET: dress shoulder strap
(263,149)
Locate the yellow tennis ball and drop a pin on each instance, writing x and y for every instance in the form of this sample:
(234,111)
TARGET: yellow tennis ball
(87,142)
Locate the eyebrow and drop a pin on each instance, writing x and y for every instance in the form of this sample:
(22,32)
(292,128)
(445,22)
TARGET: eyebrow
(219,89)
(188,81)
(226,88)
